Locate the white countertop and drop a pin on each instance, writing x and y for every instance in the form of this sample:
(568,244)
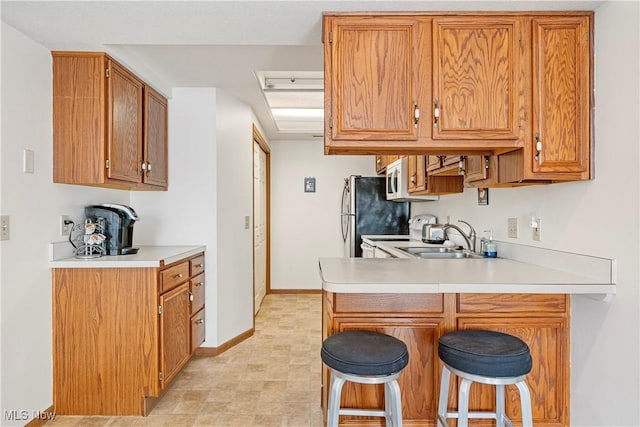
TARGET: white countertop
(489,275)
(407,274)
(147,256)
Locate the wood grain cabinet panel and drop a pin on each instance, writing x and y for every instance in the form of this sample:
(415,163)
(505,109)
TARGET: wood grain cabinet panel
(542,321)
(196,286)
(124,141)
(372,97)
(548,381)
(418,381)
(118,339)
(476,77)
(561,95)
(155,153)
(175,329)
(108,125)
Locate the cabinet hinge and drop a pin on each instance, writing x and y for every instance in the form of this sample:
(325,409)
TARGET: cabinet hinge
(160,376)
(159,309)
(107,163)
(330,36)
(107,73)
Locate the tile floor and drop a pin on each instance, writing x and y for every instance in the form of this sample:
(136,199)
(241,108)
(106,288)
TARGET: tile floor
(270,379)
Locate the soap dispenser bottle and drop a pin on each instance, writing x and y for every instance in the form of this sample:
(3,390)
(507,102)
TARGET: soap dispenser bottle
(490,250)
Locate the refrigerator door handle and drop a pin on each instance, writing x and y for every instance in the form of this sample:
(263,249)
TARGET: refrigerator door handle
(344,216)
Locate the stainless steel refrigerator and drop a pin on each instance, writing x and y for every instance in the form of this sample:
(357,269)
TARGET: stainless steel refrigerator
(366,210)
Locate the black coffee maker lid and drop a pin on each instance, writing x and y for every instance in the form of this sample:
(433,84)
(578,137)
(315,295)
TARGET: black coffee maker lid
(126,210)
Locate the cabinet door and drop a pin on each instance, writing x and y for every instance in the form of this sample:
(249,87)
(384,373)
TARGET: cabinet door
(561,95)
(155,139)
(548,381)
(417,174)
(124,149)
(421,376)
(434,163)
(175,329)
(371,80)
(476,168)
(475,72)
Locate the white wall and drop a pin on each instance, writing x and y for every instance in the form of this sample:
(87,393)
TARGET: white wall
(597,218)
(306,226)
(186,213)
(234,169)
(210,193)
(34,204)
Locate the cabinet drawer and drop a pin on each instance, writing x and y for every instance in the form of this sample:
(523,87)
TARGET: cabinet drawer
(512,303)
(173,276)
(197,265)
(389,303)
(197,293)
(197,330)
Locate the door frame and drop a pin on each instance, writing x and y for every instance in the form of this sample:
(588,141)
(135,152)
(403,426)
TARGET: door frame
(258,138)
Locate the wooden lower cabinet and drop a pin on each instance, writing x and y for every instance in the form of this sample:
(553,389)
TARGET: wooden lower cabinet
(120,335)
(419,320)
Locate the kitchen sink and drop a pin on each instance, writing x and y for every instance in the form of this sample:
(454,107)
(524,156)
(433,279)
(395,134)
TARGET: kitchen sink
(440,253)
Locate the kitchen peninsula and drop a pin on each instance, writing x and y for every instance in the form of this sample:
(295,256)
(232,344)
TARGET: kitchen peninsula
(418,300)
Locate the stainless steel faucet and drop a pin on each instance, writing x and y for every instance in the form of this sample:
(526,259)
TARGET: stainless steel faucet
(470,239)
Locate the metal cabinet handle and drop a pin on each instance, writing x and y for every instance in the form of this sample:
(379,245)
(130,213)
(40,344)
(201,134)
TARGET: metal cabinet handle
(436,113)
(199,321)
(190,297)
(416,114)
(199,265)
(177,276)
(199,284)
(538,155)
(461,166)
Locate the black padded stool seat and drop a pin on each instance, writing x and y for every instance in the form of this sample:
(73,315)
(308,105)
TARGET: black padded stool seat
(364,353)
(485,353)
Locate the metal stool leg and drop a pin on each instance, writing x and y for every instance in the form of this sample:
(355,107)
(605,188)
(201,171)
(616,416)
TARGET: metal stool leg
(500,415)
(333,411)
(396,403)
(463,403)
(525,403)
(443,403)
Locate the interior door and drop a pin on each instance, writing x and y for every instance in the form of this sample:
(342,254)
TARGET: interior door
(259,225)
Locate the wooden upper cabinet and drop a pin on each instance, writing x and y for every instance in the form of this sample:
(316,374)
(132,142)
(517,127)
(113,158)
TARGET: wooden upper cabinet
(561,95)
(476,78)
(155,169)
(370,69)
(107,125)
(124,141)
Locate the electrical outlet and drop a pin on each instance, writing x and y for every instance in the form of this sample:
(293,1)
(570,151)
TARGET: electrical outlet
(512,228)
(537,231)
(64,228)
(5,227)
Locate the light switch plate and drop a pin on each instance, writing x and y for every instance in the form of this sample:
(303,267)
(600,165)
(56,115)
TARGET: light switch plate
(28,161)
(512,228)
(537,231)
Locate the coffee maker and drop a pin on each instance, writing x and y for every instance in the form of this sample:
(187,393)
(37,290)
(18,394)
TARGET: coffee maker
(118,226)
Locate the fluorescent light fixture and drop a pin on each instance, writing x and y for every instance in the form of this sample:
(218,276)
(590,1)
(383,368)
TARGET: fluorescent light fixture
(297,113)
(295,98)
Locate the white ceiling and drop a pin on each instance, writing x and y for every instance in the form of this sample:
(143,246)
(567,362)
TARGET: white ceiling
(215,43)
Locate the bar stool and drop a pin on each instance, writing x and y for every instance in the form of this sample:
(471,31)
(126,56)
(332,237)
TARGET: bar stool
(486,357)
(365,357)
